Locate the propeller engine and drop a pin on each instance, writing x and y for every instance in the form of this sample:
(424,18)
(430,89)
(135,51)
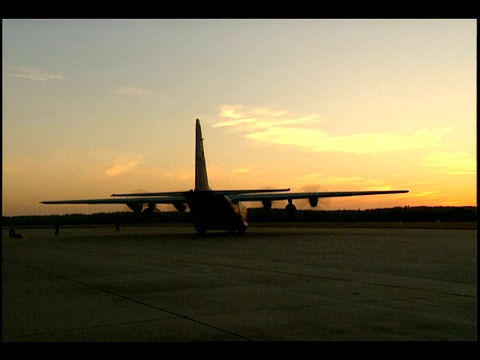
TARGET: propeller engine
(314,202)
(180,206)
(151,210)
(267,204)
(135,207)
(148,210)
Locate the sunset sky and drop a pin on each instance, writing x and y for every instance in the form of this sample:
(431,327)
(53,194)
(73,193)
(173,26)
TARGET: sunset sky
(94,107)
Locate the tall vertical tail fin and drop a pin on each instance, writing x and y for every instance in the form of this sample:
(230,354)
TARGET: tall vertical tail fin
(201,179)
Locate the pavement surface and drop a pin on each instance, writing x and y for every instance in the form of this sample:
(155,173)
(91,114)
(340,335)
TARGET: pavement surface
(168,284)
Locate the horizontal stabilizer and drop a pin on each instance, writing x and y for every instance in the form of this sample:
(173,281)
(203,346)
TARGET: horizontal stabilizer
(173,193)
(252,191)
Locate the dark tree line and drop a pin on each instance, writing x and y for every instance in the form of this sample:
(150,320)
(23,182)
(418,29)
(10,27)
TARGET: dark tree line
(397,214)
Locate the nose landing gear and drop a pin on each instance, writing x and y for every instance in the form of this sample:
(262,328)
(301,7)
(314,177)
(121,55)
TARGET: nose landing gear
(290,208)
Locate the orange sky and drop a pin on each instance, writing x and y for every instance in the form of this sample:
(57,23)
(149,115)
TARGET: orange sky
(93,107)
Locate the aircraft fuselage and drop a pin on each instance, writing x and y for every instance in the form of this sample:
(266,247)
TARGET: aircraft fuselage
(216,212)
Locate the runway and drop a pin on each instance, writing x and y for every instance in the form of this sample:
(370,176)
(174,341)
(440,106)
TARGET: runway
(168,284)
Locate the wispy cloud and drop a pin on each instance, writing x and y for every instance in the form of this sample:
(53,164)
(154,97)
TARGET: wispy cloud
(117,170)
(318,140)
(426,193)
(356,182)
(126,163)
(284,128)
(242,170)
(31,73)
(131,91)
(454,163)
(259,117)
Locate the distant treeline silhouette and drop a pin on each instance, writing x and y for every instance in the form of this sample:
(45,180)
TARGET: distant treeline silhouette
(396,214)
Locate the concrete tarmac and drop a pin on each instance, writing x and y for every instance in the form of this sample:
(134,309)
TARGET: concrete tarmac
(168,284)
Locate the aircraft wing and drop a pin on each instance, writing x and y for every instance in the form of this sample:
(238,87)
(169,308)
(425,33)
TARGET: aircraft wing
(308,195)
(174,193)
(130,200)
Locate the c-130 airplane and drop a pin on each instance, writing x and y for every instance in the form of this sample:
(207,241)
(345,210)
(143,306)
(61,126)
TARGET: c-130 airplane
(215,209)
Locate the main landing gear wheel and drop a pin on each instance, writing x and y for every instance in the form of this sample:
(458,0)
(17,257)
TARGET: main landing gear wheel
(241,229)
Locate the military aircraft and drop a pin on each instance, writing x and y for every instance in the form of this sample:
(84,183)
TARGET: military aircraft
(215,209)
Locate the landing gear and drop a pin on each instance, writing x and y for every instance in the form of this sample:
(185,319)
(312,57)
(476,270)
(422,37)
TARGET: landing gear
(241,225)
(290,208)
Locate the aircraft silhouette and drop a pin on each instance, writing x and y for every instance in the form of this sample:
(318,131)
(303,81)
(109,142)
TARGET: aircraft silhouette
(215,209)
